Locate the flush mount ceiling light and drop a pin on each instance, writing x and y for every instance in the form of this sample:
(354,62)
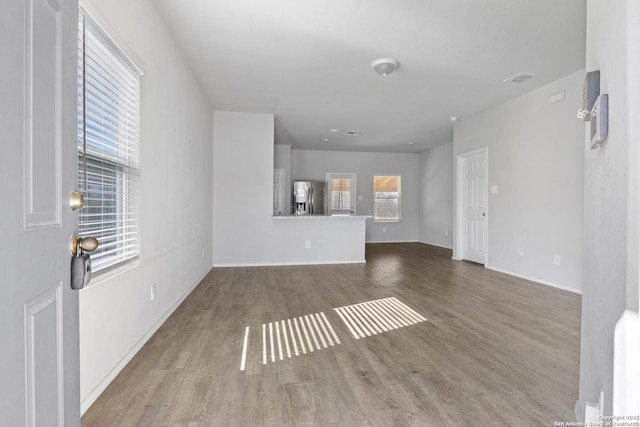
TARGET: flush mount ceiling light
(385,66)
(519,78)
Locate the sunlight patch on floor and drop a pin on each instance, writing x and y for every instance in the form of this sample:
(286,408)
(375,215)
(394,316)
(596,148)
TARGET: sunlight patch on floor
(374,317)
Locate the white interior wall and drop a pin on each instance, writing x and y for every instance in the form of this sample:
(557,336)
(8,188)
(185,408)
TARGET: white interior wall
(244,229)
(610,197)
(536,160)
(633,129)
(436,196)
(116,314)
(243,153)
(313,165)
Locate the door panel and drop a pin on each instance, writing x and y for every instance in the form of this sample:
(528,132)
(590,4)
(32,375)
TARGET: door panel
(44,357)
(39,361)
(42,113)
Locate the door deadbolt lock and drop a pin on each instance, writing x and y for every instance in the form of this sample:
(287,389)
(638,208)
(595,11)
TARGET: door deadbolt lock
(80,260)
(76,201)
(80,271)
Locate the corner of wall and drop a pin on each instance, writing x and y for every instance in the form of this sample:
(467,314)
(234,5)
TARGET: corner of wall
(610,197)
(436,196)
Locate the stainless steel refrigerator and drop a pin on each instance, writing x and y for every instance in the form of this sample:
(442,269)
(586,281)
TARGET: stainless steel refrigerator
(308,198)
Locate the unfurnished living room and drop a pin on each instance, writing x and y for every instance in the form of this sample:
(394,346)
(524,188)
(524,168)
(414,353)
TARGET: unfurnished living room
(286,213)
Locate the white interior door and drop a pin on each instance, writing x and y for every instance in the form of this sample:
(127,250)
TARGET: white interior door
(474,206)
(278,192)
(39,360)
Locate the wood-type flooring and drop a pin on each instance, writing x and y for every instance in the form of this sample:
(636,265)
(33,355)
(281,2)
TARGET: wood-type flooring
(495,350)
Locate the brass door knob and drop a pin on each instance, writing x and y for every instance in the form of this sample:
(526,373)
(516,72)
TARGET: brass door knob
(80,245)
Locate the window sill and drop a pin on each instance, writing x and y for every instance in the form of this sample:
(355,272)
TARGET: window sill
(386,220)
(110,273)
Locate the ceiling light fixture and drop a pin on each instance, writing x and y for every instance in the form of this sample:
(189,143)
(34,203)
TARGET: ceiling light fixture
(519,78)
(384,66)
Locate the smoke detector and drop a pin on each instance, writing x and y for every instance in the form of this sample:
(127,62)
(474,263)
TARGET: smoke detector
(520,78)
(355,132)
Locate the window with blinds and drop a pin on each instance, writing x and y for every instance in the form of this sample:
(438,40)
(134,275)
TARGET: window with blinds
(108,172)
(386,198)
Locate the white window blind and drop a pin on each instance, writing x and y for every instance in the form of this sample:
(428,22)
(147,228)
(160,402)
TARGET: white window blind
(386,198)
(108,172)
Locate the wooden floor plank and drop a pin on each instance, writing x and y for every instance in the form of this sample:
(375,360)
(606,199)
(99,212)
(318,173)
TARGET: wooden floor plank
(494,350)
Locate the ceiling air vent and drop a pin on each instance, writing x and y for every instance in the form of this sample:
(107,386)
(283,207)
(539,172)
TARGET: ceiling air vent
(520,78)
(354,132)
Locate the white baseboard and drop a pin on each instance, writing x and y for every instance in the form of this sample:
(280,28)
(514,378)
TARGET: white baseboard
(392,241)
(535,279)
(577,409)
(436,245)
(104,383)
(283,264)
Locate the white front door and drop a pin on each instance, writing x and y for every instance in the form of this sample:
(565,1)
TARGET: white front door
(39,358)
(474,206)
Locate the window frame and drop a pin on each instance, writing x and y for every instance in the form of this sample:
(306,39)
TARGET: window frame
(398,198)
(114,176)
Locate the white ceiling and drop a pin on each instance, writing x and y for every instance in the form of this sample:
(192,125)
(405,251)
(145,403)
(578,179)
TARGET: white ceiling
(309,62)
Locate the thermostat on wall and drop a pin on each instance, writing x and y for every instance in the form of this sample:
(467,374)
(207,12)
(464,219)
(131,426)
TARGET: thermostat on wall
(599,120)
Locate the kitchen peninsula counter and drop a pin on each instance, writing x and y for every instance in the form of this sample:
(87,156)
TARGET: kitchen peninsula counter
(320,239)
(337,217)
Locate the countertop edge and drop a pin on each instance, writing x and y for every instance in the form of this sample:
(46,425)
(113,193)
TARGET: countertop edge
(312,217)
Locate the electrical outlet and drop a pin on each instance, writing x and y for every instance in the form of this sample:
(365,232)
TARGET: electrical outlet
(521,252)
(152,292)
(446,233)
(557,259)
(307,244)
(384,229)
(202,252)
